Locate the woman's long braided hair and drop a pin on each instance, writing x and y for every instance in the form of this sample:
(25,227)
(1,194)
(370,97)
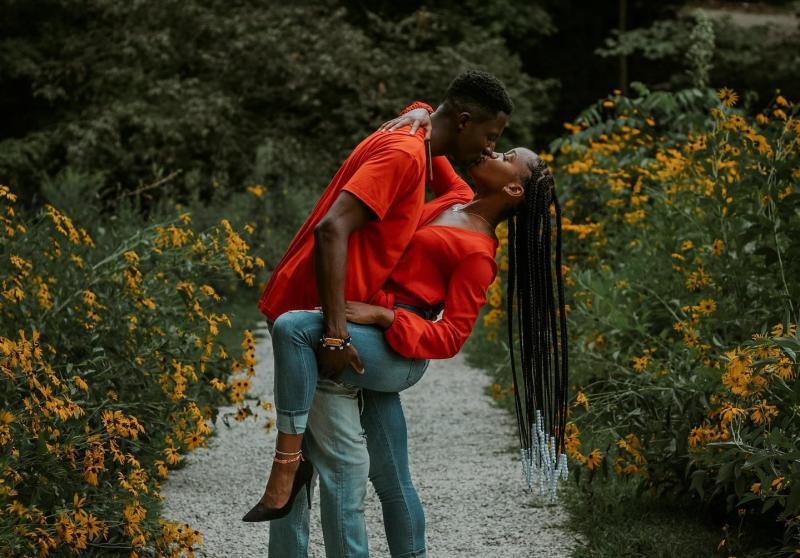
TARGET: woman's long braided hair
(540,326)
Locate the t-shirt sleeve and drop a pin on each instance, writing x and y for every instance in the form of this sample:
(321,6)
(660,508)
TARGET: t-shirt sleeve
(383,178)
(447,181)
(415,337)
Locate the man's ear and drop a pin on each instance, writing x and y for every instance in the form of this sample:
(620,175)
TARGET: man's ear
(514,189)
(463,119)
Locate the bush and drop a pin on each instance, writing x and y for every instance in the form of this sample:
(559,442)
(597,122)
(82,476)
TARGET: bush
(111,367)
(681,215)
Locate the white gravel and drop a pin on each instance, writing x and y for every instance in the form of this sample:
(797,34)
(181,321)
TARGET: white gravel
(459,441)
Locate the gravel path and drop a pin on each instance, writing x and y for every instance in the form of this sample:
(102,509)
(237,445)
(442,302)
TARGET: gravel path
(469,484)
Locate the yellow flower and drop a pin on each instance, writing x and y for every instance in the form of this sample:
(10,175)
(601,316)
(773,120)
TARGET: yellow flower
(755,488)
(686,245)
(599,340)
(194,440)
(717,246)
(594,459)
(729,412)
(707,306)
(783,369)
(80,383)
(256,189)
(640,363)
(497,392)
(763,412)
(173,456)
(728,96)
(218,384)
(209,291)
(781,100)
(581,399)
(696,436)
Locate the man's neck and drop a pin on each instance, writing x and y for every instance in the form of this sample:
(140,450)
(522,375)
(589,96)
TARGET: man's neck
(440,133)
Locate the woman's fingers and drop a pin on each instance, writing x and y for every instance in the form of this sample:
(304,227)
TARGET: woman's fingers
(399,123)
(414,127)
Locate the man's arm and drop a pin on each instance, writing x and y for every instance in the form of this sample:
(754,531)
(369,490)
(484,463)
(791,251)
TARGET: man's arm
(331,236)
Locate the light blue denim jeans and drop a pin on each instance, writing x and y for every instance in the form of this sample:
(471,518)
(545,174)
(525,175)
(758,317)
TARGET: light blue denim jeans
(295,338)
(334,438)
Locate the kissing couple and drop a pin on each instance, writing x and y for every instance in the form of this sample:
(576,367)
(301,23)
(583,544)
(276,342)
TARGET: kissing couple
(376,283)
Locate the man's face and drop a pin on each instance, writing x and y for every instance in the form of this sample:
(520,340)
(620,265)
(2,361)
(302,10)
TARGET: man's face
(476,138)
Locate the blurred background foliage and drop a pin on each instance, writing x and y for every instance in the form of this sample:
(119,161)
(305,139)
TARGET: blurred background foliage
(214,96)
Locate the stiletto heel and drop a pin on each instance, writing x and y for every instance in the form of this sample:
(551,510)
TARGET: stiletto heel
(302,478)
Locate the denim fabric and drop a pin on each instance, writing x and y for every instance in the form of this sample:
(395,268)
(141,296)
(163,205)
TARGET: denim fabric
(387,441)
(295,338)
(332,443)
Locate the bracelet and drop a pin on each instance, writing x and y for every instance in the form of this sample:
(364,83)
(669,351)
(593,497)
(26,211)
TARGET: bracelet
(334,343)
(416,105)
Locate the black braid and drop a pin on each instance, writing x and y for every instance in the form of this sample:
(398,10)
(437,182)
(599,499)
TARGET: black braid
(541,331)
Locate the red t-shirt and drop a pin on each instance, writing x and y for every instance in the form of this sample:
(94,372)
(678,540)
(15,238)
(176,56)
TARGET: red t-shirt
(386,171)
(442,266)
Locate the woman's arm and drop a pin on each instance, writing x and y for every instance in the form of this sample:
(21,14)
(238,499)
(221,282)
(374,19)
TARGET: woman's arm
(445,179)
(417,114)
(415,337)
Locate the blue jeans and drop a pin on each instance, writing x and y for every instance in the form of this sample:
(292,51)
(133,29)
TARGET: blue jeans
(295,337)
(334,439)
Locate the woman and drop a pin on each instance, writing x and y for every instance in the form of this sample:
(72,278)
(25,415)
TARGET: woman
(449,264)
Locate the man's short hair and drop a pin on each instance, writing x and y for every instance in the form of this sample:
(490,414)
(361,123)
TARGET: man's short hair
(476,90)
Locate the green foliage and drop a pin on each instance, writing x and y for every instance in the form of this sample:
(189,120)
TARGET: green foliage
(701,49)
(753,58)
(110,369)
(230,94)
(680,215)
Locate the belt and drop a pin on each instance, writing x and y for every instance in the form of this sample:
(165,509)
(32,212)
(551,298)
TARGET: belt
(427,313)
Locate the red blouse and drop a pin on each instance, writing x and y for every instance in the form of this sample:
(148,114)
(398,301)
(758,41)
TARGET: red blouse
(442,266)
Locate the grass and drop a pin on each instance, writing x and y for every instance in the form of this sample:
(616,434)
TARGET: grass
(615,522)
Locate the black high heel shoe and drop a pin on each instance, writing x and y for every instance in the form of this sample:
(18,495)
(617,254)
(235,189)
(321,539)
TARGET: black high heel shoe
(302,478)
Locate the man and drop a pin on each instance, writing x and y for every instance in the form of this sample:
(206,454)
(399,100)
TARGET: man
(346,250)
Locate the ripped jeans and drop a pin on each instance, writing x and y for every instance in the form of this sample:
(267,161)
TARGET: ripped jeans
(334,441)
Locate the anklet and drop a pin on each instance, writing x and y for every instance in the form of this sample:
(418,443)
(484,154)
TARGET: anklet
(292,460)
(287,453)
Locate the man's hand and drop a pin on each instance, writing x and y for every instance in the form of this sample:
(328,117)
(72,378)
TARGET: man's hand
(417,117)
(332,362)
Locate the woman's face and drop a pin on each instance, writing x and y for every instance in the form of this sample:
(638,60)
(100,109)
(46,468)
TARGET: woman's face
(494,173)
